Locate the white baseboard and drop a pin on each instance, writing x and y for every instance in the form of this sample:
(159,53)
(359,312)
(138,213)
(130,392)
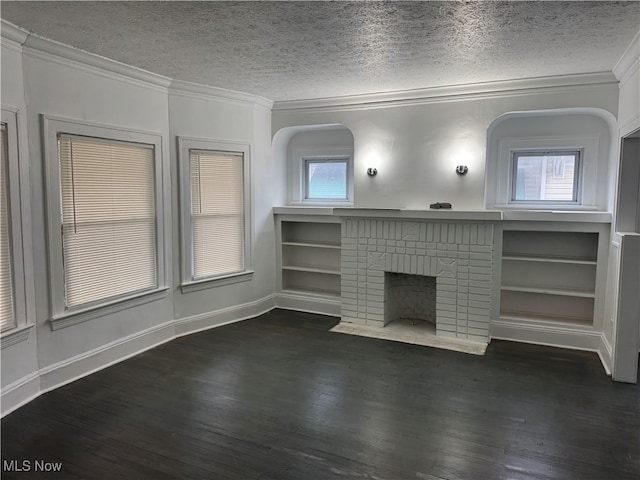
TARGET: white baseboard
(605,354)
(224,316)
(58,374)
(19,393)
(309,303)
(552,336)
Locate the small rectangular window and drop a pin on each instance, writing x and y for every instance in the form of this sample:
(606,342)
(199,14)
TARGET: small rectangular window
(545,177)
(326,179)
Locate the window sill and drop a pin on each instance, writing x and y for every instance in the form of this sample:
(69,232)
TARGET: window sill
(69,318)
(322,203)
(15,335)
(197,285)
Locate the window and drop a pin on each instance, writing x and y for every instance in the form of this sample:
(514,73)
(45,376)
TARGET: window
(16,292)
(7,313)
(108,218)
(216,204)
(545,176)
(326,179)
(105,217)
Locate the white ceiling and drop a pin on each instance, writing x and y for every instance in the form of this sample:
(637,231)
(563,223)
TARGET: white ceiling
(303,50)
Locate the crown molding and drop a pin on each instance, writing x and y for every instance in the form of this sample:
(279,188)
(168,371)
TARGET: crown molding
(206,92)
(450,93)
(9,31)
(629,60)
(43,47)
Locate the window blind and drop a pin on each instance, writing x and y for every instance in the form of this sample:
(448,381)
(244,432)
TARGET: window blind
(7,312)
(217,213)
(108,218)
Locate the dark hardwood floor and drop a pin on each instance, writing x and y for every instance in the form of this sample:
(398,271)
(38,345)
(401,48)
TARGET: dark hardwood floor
(280,397)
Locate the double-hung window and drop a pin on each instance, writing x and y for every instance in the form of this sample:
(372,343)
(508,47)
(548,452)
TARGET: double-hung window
(216,227)
(16,291)
(7,312)
(105,221)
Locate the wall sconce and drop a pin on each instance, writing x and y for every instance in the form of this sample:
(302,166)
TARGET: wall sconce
(462,169)
(372,172)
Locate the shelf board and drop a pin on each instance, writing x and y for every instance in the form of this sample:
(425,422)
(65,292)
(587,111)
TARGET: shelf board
(312,269)
(550,291)
(539,318)
(549,259)
(329,245)
(312,291)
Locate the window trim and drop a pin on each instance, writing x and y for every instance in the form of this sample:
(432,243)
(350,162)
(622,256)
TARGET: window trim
(499,171)
(20,215)
(187,282)
(578,154)
(307,160)
(59,314)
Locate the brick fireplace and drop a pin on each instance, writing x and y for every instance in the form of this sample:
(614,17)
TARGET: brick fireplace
(457,254)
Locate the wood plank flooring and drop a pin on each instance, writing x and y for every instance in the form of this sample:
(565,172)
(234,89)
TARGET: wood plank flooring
(280,397)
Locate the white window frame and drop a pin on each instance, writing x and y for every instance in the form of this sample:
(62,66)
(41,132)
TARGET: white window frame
(578,154)
(503,166)
(185,145)
(298,174)
(20,216)
(61,315)
(307,160)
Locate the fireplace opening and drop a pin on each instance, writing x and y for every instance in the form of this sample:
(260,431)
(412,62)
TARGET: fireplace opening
(410,300)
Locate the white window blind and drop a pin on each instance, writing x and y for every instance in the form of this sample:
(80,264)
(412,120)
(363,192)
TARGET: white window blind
(217,213)
(108,218)
(7,312)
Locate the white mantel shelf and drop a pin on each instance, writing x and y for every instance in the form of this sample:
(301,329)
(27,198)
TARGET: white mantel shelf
(431,214)
(448,215)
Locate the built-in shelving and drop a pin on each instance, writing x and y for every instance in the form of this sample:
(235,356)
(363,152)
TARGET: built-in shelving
(549,277)
(310,258)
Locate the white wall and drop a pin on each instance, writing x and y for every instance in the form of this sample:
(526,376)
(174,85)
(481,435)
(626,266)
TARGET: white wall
(415,145)
(62,82)
(220,119)
(330,140)
(590,129)
(19,360)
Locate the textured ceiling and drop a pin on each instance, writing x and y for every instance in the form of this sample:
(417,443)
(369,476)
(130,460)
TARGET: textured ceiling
(295,50)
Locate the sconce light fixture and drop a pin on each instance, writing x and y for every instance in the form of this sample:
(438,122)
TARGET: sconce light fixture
(372,172)
(462,169)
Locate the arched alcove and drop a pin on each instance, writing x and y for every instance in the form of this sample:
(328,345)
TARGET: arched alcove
(291,145)
(589,130)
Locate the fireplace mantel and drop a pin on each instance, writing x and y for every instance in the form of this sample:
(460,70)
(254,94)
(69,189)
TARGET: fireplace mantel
(430,214)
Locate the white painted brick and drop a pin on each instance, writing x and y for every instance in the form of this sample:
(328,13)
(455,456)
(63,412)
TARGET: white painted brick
(429,236)
(480,270)
(451,238)
(444,307)
(446,333)
(480,256)
(441,321)
(478,311)
(489,232)
(375,318)
(423,232)
(483,305)
(481,248)
(442,293)
(473,236)
(446,301)
(476,277)
(480,234)
(458,228)
(479,291)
